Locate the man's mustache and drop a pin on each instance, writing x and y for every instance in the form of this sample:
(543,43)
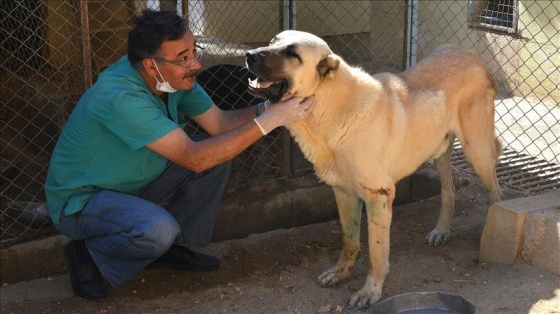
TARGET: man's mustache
(191,73)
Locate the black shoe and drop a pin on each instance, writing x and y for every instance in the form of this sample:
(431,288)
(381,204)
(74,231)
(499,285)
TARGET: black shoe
(183,258)
(86,279)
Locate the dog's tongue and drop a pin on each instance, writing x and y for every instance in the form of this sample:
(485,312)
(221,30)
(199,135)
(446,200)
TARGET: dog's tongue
(258,83)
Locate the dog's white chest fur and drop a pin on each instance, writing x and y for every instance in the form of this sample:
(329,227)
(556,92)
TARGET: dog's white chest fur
(366,129)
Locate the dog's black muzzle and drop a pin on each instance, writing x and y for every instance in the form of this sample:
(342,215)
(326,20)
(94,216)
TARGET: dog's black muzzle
(266,66)
(253,56)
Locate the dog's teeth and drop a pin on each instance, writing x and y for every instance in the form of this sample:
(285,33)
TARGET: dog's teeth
(253,83)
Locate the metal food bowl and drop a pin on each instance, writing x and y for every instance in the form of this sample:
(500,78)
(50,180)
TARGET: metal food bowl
(424,303)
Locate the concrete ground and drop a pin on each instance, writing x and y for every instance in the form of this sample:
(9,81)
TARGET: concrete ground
(276,272)
(529,126)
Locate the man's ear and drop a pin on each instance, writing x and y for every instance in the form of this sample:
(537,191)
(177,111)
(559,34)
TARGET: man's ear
(328,66)
(149,66)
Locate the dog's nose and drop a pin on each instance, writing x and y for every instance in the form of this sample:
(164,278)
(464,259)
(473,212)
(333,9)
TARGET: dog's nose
(252,56)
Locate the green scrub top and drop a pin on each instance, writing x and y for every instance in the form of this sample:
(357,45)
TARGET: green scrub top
(103,144)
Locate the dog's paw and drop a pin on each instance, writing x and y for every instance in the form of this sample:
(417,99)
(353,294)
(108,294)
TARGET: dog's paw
(367,296)
(331,277)
(437,237)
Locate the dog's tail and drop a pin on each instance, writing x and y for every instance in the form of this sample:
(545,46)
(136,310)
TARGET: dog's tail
(491,97)
(492,81)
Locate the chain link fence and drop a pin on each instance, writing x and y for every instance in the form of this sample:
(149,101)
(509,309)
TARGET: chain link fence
(52,51)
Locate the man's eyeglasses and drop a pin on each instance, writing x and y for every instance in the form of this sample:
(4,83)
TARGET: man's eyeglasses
(197,52)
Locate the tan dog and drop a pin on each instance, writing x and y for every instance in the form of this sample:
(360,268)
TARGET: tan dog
(368,132)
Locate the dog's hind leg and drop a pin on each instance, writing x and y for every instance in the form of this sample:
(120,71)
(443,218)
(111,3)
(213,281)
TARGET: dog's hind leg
(483,156)
(350,212)
(480,145)
(379,213)
(442,231)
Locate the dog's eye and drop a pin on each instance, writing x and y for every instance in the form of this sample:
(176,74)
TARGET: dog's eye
(291,52)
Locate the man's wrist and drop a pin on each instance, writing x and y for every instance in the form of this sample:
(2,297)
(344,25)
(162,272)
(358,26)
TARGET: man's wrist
(263,131)
(258,108)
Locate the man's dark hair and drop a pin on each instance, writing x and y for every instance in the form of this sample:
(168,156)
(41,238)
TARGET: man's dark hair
(149,30)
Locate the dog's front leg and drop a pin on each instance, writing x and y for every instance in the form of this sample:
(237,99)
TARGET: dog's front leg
(350,213)
(379,213)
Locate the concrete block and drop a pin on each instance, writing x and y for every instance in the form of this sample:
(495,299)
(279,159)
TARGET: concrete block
(34,259)
(274,205)
(501,237)
(525,229)
(541,240)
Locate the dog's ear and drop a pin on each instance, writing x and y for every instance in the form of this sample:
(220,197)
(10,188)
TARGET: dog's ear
(328,66)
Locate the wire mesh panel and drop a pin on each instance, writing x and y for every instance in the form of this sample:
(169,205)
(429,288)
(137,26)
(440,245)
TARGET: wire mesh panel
(520,42)
(227,31)
(525,63)
(52,51)
(41,79)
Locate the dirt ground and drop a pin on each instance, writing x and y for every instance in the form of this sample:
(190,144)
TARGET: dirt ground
(276,272)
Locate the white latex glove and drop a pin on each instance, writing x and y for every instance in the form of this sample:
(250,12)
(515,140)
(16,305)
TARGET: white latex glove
(284,112)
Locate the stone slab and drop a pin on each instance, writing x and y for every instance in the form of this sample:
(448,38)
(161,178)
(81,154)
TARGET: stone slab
(31,260)
(526,229)
(541,239)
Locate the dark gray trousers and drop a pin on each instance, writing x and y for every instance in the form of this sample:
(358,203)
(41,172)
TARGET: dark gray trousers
(193,199)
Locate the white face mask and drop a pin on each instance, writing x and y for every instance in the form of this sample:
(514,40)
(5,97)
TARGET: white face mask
(163,86)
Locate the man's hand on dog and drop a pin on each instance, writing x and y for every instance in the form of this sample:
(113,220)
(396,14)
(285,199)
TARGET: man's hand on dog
(285,112)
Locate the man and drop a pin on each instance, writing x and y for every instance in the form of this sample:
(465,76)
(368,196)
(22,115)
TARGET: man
(123,152)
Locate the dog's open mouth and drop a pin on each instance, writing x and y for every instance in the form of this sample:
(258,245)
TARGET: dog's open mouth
(268,90)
